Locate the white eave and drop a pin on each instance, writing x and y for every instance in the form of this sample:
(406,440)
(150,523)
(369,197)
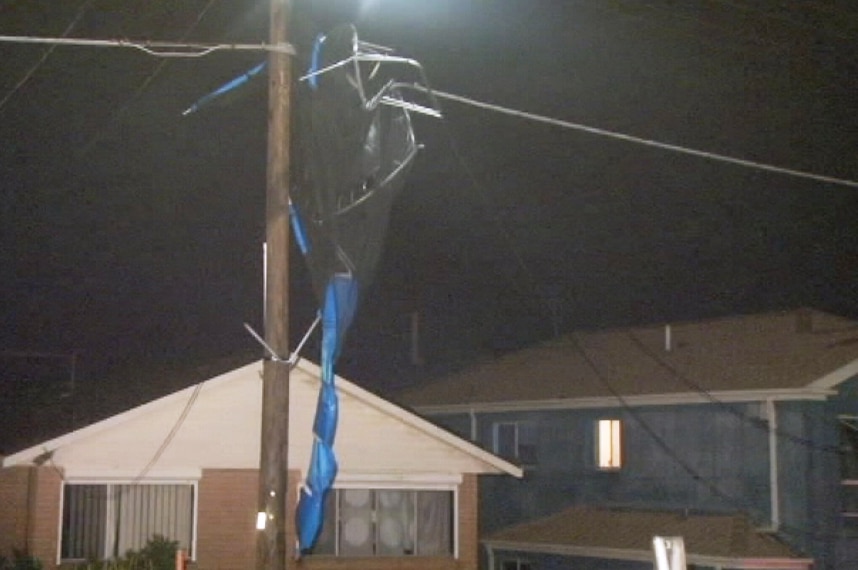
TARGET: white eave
(833,379)
(733,396)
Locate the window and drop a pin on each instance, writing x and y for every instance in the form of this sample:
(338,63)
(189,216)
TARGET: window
(516,441)
(849,473)
(514,564)
(368,522)
(609,454)
(103,521)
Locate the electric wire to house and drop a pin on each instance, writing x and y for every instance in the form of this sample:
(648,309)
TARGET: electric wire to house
(753,421)
(177,425)
(186,49)
(670,147)
(47,53)
(532,283)
(731,501)
(192,50)
(154,48)
(659,441)
(47,455)
(144,85)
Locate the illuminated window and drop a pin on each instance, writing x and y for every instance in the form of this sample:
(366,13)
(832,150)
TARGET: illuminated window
(609,444)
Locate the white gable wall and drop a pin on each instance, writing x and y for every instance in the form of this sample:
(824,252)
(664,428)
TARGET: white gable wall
(222,430)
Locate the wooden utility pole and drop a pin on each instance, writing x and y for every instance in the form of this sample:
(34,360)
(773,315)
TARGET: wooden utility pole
(274,444)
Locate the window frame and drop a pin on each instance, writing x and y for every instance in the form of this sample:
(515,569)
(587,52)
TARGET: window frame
(847,484)
(517,560)
(111,484)
(517,426)
(615,448)
(373,487)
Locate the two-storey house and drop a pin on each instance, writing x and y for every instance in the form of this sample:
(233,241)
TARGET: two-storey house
(739,433)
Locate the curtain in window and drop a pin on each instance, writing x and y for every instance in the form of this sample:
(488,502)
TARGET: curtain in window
(105,521)
(434,523)
(370,522)
(84,517)
(356,522)
(395,523)
(144,511)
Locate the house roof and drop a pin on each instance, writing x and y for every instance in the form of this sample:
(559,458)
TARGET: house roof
(712,540)
(799,354)
(215,424)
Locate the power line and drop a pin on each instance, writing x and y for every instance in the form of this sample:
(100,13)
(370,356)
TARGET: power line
(646,427)
(532,282)
(83,8)
(730,409)
(660,442)
(641,141)
(162,447)
(154,48)
(673,456)
(170,436)
(145,83)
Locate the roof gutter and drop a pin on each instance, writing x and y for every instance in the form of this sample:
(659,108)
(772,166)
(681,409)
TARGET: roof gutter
(727,396)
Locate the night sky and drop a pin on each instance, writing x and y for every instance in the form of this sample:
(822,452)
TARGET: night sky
(131,235)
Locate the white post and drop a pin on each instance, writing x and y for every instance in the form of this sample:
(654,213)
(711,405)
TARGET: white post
(669,552)
(771,415)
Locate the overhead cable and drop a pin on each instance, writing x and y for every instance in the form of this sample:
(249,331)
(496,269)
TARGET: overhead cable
(673,455)
(752,421)
(171,435)
(83,8)
(513,244)
(154,48)
(642,141)
(144,84)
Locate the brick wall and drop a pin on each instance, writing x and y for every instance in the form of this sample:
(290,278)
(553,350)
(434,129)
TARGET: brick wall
(226,535)
(469,528)
(30,512)
(13,509)
(226,519)
(44,517)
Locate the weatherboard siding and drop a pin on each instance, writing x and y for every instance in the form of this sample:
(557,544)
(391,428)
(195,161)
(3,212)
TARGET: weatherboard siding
(724,444)
(729,453)
(809,478)
(846,403)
